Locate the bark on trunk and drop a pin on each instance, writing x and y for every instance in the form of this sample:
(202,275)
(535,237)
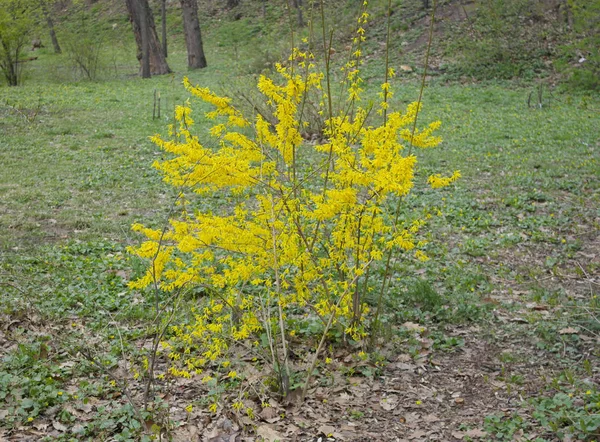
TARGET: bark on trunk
(145,31)
(568,14)
(50,24)
(137,9)
(298,6)
(193,37)
(163,15)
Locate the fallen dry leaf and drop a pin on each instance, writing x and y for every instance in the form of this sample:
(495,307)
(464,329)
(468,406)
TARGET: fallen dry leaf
(389,403)
(60,427)
(269,434)
(568,331)
(326,430)
(412,326)
(268,413)
(417,435)
(475,432)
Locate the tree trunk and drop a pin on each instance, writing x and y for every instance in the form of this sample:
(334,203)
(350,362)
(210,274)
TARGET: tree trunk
(145,31)
(193,37)
(9,66)
(568,14)
(50,24)
(298,6)
(138,9)
(163,15)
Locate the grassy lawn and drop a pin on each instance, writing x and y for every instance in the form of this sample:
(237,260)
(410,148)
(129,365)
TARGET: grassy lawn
(515,252)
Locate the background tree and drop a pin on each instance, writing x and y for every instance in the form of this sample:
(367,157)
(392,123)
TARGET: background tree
(139,10)
(45,6)
(193,36)
(298,6)
(15,27)
(163,25)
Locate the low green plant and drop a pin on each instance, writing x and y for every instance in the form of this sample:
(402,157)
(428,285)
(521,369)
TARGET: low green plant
(573,414)
(30,383)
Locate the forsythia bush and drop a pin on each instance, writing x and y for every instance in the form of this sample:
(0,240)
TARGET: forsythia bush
(305,225)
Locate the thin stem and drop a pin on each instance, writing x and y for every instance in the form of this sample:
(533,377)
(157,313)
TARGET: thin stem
(286,379)
(324,336)
(424,77)
(387,275)
(387,62)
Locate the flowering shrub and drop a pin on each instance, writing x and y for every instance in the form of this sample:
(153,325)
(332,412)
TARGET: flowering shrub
(306,224)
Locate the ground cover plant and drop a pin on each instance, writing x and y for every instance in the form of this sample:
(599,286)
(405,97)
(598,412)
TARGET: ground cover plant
(494,337)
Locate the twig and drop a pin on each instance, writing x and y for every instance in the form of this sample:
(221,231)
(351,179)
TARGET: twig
(327,328)
(14,286)
(117,381)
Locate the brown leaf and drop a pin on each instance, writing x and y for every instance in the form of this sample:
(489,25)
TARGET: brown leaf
(403,357)
(431,418)
(458,434)
(475,432)
(389,403)
(414,327)
(268,413)
(60,427)
(417,435)
(403,366)
(568,331)
(326,430)
(268,434)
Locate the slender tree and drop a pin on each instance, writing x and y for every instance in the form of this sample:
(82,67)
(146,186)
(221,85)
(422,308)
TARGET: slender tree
(298,6)
(193,36)
(141,18)
(15,27)
(50,23)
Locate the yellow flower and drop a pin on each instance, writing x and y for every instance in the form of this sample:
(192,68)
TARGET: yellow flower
(189,408)
(213,407)
(232,374)
(421,256)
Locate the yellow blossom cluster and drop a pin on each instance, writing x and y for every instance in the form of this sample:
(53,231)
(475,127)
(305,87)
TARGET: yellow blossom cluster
(309,223)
